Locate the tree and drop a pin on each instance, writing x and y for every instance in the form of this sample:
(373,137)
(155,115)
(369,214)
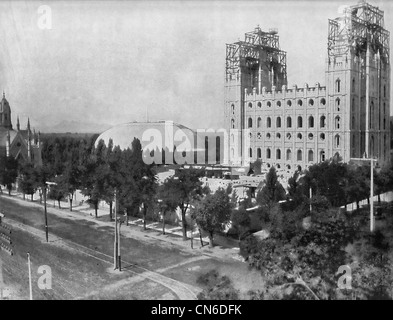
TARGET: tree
(137,183)
(8,172)
(28,179)
(216,287)
(167,198)
(305,266)
(94,174)
(270,194)
(296,190)
(57,192)
(212,212)
(187,188)
(240,221)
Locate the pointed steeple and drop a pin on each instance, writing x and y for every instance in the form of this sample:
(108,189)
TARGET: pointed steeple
(17,124)
(28,126)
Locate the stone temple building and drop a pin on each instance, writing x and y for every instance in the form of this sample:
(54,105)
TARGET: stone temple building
(293,127)
(23,145)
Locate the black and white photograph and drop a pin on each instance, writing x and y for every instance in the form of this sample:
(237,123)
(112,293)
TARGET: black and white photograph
(215,152)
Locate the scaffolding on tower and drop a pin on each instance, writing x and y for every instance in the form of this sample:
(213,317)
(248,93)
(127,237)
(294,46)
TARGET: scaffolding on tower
(258,47)
(360,24)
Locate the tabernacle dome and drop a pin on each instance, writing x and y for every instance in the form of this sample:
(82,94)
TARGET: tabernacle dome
(151,134)
(164,135)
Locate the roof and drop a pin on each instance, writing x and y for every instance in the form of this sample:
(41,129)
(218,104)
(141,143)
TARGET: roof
(3,136)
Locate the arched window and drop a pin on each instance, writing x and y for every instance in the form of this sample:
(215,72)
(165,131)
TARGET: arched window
(259,105)
(259,153)
(268,135)
(311,102)
(250,122)
(268,153)
(299,155)
(278,135)
(289,136)
(371,114)
(353,105)
(322,156)
(323,101)
(278,122)
(322,122)
(250,152)
(289,154)
(299,122)
(353,122)
(338,104)
(259,122)
(278,103)
(299,136)
(311,122)
(310,156)
(278,154)
(268,122)
(310,136)
(322,136)
(353,84)
(233,124)
(250,105)
(337,141)
(233,108)
(337,122)
(338,85)
(289,122)
(289,103)
(299,102)
(269,104)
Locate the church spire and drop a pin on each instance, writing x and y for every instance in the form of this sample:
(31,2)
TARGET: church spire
(28,124)
(17,123)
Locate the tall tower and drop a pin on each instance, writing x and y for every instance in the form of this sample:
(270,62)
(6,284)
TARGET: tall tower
(251,64)
(5,114)
(358,83)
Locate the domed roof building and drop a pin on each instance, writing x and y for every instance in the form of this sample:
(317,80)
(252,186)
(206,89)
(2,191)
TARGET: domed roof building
(150,134)
(157,136)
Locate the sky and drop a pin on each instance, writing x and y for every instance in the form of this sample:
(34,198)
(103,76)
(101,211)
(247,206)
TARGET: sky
(111,62)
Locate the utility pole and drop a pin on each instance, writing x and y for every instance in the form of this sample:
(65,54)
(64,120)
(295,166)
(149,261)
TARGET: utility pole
(115,252)
(46,216)
(371,189)
(119,254)
(30,286)
(310,200)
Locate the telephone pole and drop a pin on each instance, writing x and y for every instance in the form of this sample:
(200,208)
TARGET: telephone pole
(115,249)
(30,286)
(371,189)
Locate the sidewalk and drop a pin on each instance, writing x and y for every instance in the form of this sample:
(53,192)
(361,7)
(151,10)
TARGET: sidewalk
(224,249)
